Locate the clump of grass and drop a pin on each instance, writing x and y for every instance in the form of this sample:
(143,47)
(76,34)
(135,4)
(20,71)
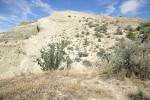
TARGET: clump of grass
(119,31)
(83,54)
(82,32)
(129,28)
(90,24)
(98,34)
(77,35)
(139,96)
(78,59)
(99,39)
(87,63)
(69,15)
(104,28)
(87,33)
(86,42)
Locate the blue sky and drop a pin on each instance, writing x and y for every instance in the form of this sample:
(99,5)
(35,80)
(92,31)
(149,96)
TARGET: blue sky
(12,12)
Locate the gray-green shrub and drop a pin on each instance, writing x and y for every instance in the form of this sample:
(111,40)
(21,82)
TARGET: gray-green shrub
(86,42)
(87,63)
(119,32)
(129,57)
(144,29)
(51,58)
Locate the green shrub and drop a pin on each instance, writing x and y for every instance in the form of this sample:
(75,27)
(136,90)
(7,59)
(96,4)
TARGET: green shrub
(65,43)
(131,35)
(86,42)
(87,33)
(104,28)
(68,62)
(98,34)
(129,28)
(52,57)
(128,58)
(83,54)
(98,28)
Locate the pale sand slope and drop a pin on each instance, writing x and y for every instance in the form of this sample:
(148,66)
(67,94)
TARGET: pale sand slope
(34,44)
(31,48)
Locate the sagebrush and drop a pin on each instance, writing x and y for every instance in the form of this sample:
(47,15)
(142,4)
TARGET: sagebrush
(133,58)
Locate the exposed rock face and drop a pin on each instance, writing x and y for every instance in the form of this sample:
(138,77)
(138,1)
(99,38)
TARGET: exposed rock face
(20,46)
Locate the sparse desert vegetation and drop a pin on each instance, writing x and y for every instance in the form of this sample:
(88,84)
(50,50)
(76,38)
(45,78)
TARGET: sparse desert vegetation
(77,56)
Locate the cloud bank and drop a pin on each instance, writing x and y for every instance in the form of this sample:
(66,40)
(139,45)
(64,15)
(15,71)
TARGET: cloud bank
(132,6)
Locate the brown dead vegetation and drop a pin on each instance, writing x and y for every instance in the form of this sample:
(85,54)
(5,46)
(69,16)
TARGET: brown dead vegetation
(70,85)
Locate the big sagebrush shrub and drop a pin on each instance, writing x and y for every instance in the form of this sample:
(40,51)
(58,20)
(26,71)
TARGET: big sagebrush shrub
(129,57)
(144,30)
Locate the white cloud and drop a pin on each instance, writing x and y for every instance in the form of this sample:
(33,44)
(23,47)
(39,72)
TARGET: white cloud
(44,6)
(108,2)
(103,2)
(109,10)
(109,6)
(21,10)
(10,18)
(21,7)
(132,6)
(3,18)
(24,8)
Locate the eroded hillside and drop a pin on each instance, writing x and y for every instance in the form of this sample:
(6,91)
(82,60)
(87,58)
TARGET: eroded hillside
(86,34)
